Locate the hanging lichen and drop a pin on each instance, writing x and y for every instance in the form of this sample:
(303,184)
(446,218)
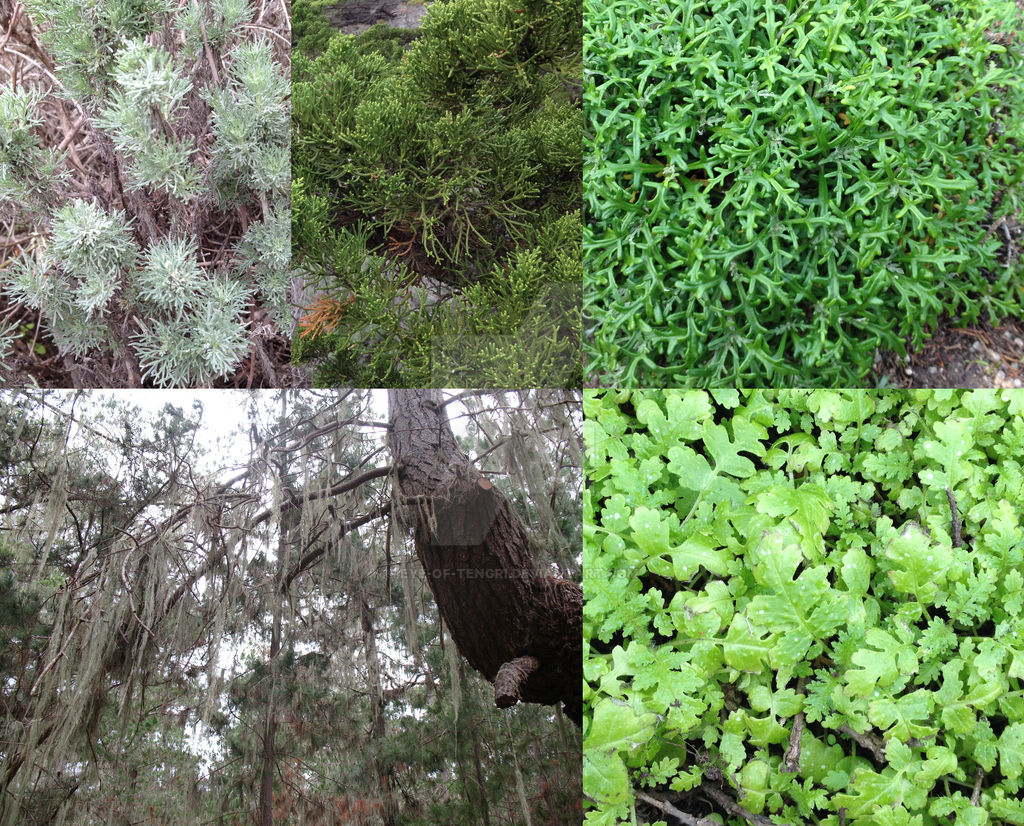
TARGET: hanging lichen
(409,588)
(524,804)
(54,515)
(454,674)
(165,568)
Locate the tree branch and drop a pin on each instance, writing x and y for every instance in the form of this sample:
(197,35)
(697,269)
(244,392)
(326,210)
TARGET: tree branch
(310,558)
(335,490)
(510,677)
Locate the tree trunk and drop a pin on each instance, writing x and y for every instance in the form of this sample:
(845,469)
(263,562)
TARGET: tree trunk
(521,630)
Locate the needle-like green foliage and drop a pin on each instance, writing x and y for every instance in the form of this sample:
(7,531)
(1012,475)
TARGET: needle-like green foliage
(776,190)
(436,197)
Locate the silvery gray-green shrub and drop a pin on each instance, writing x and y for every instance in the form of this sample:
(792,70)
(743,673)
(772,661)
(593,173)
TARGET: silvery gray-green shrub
(161,243)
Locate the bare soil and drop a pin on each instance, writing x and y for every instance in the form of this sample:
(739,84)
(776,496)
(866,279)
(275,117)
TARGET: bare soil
(976,356)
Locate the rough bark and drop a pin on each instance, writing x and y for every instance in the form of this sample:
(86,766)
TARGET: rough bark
(475,553)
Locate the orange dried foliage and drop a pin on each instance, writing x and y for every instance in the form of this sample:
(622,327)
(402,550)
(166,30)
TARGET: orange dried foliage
(324,316)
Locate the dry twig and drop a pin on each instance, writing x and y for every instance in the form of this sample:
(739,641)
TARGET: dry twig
(869,742)
(954,520)
(976,794)
(732,807)
(669,809)
(791,759)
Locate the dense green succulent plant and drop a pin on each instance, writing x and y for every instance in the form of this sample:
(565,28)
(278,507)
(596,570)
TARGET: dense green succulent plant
(773,191)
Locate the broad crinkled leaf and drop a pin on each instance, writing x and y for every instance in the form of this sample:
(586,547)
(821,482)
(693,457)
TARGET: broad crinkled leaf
(693,470)
(898,716)
(685,413)
(949,450)
(956,714)
(808,508)
(871,791)
(841,407)
(715,597)
(650,531)
(1013,588)
(921,564)
(856,570)
(616,727)
(880,664)
(731,746)
(744,649)
(1011,750)
(605,778)
(687,557)
(986,749)
(726,454)
(940,761)
(1012,811)
(801,610)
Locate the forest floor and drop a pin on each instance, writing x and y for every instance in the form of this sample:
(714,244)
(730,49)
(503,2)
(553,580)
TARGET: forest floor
(978,356)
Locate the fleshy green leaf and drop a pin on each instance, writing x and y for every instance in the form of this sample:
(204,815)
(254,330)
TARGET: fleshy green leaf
(801,610)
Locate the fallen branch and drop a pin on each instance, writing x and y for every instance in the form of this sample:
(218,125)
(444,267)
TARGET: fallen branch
(669,809)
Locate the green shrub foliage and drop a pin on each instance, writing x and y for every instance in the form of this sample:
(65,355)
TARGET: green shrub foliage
(808,602)
(311,30)
(775,190)
(436,198)
(160,246)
